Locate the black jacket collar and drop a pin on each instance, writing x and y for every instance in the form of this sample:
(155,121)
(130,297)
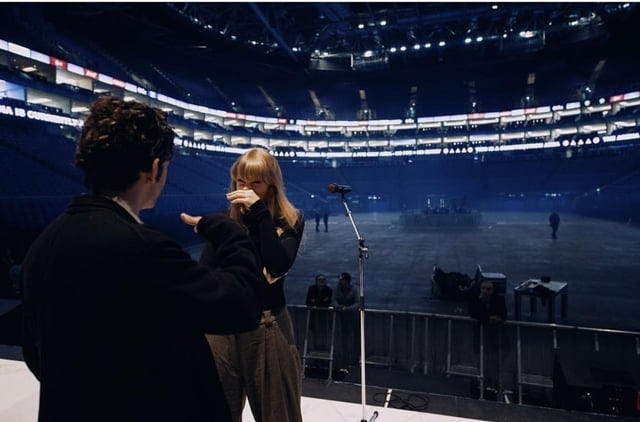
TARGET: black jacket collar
(89,203)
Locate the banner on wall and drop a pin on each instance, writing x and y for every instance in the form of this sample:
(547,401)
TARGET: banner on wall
(25,112)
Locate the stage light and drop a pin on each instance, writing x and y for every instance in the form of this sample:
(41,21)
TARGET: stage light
(416,47)
(601,101)
(565,143)
(360,25)
(494,7)
(383,23)
(479,39)
(528,34)
(393,50)
(368,53)
(467,40)
(427,45)
(403,48)
(442,43)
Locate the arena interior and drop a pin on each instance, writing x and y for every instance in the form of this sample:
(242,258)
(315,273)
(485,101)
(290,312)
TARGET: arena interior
(457,128)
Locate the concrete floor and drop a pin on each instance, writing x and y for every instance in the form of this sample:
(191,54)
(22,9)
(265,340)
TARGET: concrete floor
(599,259)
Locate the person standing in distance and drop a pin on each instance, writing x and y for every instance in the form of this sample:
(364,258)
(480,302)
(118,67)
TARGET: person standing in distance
(554,222)
(115,312)
(263,365)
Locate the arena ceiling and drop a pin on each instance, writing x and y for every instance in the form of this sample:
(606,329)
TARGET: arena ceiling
(298,46)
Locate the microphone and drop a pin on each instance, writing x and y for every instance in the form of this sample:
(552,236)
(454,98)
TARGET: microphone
(335,188)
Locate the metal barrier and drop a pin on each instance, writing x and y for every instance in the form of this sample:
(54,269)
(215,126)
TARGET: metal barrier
(321,337)
(457,345)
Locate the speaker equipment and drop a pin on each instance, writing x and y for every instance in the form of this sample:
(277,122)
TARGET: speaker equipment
(595,382)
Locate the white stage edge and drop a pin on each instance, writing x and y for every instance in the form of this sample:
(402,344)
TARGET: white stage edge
(19,403)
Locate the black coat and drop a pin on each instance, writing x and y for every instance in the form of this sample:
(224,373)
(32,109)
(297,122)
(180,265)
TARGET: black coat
(319,296)
(275,252)
(483,311)
(116,312)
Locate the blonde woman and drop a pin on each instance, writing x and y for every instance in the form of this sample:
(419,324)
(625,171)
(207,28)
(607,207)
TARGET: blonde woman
(263,365)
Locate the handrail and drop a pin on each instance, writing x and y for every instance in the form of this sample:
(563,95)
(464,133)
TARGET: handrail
(508,322)
(526,373)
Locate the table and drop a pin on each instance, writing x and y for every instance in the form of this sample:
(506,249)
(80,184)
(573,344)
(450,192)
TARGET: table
(534,288)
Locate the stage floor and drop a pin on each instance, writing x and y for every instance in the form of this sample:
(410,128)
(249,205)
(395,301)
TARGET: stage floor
(19,403)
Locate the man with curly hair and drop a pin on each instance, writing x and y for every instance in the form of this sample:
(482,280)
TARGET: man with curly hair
(115,311)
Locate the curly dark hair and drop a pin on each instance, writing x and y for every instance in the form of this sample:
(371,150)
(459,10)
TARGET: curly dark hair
(120,139)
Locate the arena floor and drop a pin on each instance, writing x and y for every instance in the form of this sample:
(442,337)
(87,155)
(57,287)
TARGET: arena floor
(597,258)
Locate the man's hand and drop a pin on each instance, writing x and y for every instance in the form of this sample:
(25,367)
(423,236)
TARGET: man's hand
(190,220)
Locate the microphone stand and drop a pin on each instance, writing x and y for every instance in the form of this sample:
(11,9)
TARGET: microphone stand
(363,253)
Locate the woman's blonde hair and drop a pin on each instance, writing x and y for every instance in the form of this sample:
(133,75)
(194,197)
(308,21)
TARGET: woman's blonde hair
(258,164)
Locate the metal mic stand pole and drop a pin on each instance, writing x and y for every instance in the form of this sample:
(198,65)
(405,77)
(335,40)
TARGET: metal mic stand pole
(363,253)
